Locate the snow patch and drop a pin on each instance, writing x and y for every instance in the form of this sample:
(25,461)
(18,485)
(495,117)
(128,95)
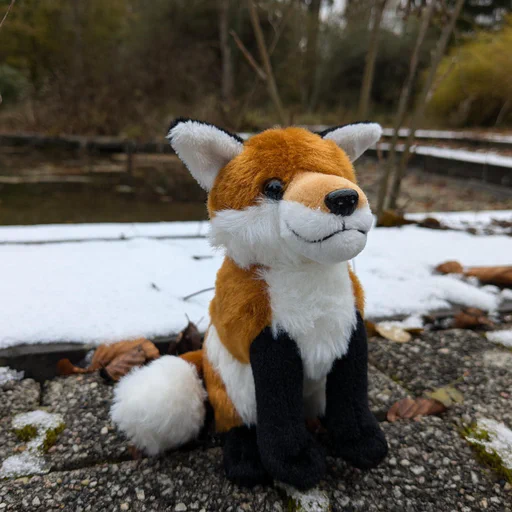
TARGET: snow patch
(42,420)
(313,500)
(31,461)
(499,442)
(8,375)
(503,337)
(27,463)
(97,292)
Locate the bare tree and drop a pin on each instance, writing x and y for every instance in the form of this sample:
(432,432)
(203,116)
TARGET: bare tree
(265,72)
(371,57)
(227,79)
(310,60)
(1,23)
(423,98)
(403,102)
(7,12)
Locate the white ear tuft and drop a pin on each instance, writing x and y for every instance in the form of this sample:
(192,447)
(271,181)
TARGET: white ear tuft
(355,138)
(203,148)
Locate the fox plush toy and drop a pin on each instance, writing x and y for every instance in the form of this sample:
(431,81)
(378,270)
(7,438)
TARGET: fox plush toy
(286,340)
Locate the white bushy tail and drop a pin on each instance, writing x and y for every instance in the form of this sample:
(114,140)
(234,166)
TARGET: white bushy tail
(161,405)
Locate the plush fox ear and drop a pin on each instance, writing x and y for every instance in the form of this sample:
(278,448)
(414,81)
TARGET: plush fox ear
(355,138)
(204,148)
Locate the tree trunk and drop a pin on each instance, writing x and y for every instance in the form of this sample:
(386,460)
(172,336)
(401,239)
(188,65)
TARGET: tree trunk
(310,61)
(227,79)
(422,102)
(371,57)
(405,95)
(265,59)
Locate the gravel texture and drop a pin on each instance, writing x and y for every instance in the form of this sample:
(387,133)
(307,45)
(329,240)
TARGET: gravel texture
(463,359)
(430,466)
(89,438)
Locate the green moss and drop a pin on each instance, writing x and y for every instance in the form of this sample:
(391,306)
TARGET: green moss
(30,432)
(483,454)
(51,437)
(26,433)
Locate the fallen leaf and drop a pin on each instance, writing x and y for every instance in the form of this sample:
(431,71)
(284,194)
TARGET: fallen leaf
(188,340)
(104,354)
(447,395)
(500,276)
(393,332)
(370,329)
(450,267)
(409,408)
(66,367)
(391,219)
(471,318)
(431,223)
(123,363)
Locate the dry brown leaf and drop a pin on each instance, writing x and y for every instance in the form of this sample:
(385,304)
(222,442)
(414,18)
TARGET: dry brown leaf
(104,354)
(391,219)
(471,318)
(450,267)
(123,363)
(431,223)
(370,329)
(66,367)
(499,276)
(409,408)
(393,332)
(188,340)
(447,395)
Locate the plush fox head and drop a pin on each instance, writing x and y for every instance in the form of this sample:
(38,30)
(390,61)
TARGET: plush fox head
(284,196)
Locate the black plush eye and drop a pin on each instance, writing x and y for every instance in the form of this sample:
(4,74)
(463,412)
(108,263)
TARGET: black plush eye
(274,189)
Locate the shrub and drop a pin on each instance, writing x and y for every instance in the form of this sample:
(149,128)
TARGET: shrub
(474,84)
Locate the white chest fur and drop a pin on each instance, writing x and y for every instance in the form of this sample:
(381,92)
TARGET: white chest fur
(315,305)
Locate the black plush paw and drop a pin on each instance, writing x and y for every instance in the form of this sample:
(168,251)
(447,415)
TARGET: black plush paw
(242,461)
(301,464)
(365,452)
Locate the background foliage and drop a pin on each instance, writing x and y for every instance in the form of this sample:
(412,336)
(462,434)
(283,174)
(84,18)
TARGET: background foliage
(127,67)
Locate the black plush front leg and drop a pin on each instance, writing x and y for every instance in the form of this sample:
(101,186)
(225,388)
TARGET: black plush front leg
(354,431)
(242,461)
(288,451)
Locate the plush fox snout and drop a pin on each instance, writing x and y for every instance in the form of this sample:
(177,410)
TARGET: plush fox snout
(342,201)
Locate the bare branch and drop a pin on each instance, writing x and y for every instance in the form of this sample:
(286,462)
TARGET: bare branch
(265,58)
(405,96)
(248,57)
(7,13)
(422,101)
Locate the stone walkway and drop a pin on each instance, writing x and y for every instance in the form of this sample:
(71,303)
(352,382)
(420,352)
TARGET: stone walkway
(431,467)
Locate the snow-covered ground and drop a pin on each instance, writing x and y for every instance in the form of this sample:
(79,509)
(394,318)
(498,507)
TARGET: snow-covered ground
(463,155)
(106,290)
(479,221)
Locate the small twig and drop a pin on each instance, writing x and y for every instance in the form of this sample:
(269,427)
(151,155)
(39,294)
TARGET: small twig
(7,12)
(197,293)
(248,56)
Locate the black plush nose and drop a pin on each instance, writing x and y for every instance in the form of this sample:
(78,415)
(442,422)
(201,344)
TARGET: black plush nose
(342,201)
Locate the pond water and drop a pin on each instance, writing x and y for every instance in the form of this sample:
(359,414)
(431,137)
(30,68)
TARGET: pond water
(36,204)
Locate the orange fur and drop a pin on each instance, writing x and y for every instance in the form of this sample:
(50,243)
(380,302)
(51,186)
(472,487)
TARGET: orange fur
(277,153)
(240,309)
(226,416)
(195,358)
(358,291)
(310,189)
